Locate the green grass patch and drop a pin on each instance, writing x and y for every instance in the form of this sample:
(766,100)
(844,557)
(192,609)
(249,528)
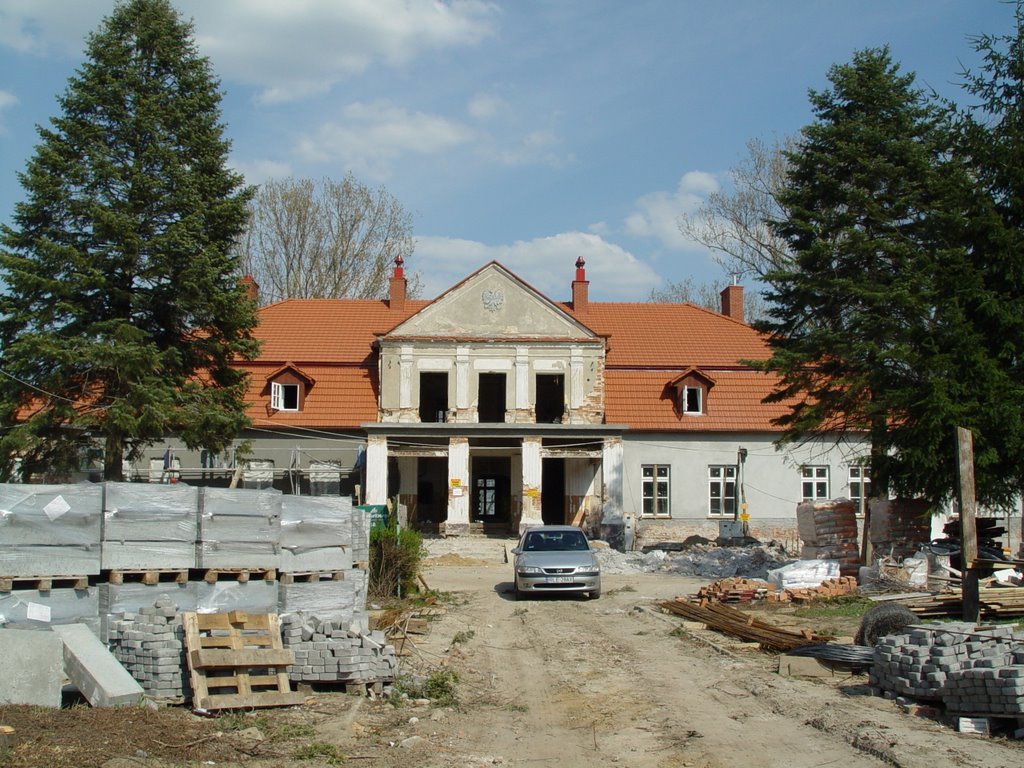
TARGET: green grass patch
(289,731)
(321,752)
(461,638)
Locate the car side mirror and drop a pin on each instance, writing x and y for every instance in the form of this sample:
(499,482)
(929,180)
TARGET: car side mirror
(517,550)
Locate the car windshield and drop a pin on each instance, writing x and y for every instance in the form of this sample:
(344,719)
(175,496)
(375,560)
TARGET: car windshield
(555,541)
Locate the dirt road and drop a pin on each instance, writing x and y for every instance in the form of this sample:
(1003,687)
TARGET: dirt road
(578,683)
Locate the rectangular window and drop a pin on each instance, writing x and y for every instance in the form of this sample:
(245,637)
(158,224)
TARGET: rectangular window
(692,397)
(860,488)
(655,490)
(814,483)
(722,490)
(284,397)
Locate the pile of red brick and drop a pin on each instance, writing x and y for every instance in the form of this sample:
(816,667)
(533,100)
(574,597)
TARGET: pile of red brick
(738,590)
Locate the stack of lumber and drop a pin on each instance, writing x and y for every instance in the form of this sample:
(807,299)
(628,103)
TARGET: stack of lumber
(734,622)
(828,530)
(899,527)
(996,603)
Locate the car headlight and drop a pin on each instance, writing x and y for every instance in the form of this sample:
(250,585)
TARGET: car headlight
(526,569)
(594,572)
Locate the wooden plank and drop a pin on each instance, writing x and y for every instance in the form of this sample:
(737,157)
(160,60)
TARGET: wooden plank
(224,657)
(968,527)
(235,701)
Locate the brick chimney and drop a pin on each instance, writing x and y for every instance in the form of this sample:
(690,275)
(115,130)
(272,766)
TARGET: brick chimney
(398,286)
(732,302)
(580,288)
(252,288)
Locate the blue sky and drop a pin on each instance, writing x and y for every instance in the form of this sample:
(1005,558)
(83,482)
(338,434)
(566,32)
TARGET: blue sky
(527,131)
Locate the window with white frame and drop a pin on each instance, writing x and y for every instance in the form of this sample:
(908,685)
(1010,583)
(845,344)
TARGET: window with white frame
(814,482)
(284,397)
(722,490)
(693,398)
(860,488)
(655,479)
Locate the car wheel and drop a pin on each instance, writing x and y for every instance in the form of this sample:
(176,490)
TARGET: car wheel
(516,594)
(594,594)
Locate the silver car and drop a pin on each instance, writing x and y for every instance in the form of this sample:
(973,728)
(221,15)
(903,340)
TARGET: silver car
(556,558)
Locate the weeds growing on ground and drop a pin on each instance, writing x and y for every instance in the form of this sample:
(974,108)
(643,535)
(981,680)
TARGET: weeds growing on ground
(439,687)
(322,752)
(461,638)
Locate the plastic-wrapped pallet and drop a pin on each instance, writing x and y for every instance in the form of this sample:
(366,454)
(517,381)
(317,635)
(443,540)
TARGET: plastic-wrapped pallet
(41,609)
(148,526)
(50,530)
(360,535)
(240,528)
(255,596)
(316,533)
(118,599)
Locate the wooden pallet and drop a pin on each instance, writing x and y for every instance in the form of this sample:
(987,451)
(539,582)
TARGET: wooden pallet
(147,577)
(305,577)
(42,583)
(241,575)
(237,660)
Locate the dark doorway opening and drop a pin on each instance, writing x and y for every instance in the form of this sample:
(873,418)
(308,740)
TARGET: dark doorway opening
(550,398)
(491,408)
(491,504)
(552,499)
(431,493)
(433,397)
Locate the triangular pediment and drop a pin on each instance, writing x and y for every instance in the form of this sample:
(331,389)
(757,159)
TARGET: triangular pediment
(492,303)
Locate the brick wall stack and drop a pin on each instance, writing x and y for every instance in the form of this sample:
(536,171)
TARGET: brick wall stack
(150,644)
(326,651)
(899,527)
(828,530)
(970,671)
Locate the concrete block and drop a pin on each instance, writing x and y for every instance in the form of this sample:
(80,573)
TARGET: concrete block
(33,667)
(94,671)
(803,666)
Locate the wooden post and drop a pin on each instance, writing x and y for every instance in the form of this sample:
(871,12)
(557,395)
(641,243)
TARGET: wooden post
(968,530)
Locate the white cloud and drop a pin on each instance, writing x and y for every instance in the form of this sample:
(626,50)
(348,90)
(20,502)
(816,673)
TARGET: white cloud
(370,136)
(259,171)
(300,48)
(656,215)
(547,263)
(287,50)
(485,106)
(7,99)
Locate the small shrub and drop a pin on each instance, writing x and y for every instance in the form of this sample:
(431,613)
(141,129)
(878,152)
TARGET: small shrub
(290,731)
(461,638)
(322,752)
(395,557)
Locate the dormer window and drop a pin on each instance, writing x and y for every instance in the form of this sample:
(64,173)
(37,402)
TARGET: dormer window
(284,397)
(693,400)
(690,391)
(288,388)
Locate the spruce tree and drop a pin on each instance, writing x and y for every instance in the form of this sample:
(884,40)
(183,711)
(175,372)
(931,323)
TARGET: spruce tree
(123,305)
(869,331)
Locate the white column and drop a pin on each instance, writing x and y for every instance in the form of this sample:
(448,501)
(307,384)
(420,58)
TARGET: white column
(575,379)
(459,489)
(532,469)
(376,470)
(462,378)
(522,396)
(405,378)
(611,470)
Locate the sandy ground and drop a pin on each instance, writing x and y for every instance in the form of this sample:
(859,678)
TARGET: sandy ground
(561,682)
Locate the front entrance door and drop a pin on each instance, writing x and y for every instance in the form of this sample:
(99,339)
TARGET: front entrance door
(492,483)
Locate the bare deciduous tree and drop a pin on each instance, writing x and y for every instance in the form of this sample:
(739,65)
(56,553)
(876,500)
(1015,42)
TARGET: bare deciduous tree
(707,296)
(326,239)
(734,223)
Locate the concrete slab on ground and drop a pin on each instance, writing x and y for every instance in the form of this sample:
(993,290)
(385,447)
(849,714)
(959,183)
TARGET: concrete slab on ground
(33,670)
(94,670)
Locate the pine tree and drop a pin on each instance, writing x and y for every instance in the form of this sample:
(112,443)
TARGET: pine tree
(869,329)
(123,306)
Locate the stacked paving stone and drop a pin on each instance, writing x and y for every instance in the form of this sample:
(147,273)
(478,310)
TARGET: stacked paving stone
(970,671)
(327,652)
(148,526)
(50,530)
(899,527)
(829,532)
(239,528)
(44,608)
(150,644)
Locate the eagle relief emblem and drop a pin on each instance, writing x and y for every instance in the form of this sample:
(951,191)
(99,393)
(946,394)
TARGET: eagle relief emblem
(492,300)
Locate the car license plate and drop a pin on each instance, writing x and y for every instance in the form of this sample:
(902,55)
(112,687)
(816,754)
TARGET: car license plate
(559,579)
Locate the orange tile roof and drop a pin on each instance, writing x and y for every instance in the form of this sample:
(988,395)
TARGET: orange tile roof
(648,346)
